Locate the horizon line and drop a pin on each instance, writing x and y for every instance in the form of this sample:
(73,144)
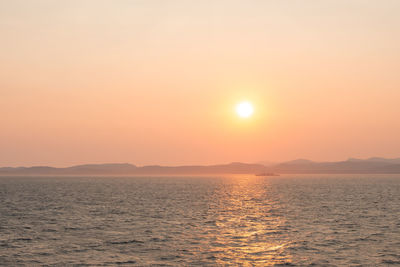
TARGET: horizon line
(260,162)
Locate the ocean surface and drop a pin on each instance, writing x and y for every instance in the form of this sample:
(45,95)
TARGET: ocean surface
(291,220)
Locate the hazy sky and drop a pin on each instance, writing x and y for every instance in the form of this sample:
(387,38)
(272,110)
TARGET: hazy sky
(156,82)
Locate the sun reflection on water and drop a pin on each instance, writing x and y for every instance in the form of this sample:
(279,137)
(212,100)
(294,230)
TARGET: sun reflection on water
(249,224)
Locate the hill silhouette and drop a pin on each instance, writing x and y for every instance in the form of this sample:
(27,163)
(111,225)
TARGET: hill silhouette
(130,169)
(352,165)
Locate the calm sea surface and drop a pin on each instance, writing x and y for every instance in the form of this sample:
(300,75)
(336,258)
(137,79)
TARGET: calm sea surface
(336,220)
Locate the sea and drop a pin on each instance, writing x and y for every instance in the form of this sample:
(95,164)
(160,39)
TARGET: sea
(244,220)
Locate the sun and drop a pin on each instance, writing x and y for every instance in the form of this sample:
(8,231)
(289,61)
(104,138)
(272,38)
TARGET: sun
(244,109)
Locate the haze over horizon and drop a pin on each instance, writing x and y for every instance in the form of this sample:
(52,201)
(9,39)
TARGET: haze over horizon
(157,82)
(300,161)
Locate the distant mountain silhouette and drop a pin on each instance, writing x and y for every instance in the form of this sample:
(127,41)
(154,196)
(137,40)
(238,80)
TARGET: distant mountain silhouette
(129,169)
(352,165)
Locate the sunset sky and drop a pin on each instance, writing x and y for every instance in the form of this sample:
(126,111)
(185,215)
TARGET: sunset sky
(157,82)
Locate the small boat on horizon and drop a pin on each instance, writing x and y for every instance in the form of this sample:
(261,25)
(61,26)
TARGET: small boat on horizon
(266,174)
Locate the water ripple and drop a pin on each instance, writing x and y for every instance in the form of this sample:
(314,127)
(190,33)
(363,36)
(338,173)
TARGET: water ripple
(200,221)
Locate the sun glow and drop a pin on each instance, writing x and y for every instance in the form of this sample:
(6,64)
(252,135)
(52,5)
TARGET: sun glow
(244,109)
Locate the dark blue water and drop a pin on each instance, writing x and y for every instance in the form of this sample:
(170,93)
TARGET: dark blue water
(336,220)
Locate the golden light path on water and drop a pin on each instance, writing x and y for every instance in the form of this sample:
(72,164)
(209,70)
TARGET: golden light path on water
(249,226)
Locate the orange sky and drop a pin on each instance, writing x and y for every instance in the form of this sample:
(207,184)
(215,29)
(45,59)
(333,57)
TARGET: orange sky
(156,82)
